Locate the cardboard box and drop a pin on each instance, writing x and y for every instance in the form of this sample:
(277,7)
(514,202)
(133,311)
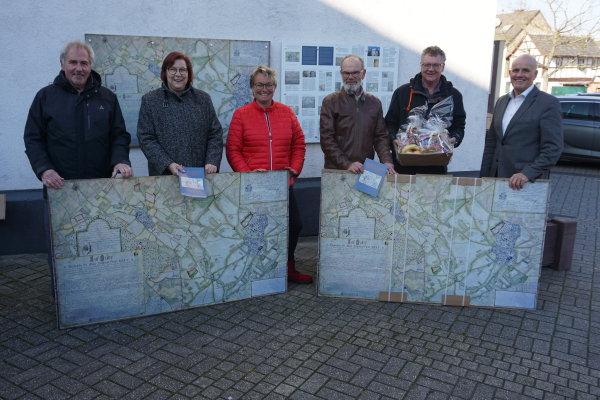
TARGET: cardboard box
(420,160)
(559,243)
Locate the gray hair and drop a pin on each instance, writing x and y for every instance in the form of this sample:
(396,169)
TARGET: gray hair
(434,51)
(362,63)
(76,44)
(266,71)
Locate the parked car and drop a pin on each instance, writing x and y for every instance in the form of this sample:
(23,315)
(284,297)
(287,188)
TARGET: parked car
(581,127)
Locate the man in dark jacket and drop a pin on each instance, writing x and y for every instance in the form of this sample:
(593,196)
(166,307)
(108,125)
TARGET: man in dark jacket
(525,139)
(75,128)
(427,87)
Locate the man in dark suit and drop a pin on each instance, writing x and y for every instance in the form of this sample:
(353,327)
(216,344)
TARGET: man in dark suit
(525,138)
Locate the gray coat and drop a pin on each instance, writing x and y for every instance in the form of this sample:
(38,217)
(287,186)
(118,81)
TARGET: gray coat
(533,140)
(181,128)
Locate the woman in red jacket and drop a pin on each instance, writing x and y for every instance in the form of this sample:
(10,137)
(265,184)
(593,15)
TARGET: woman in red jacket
(266,135)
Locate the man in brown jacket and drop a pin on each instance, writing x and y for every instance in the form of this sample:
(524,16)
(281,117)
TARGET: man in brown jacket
(352,125)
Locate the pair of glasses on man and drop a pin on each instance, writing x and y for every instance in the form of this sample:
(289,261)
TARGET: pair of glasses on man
(174,71)
(264,85)
(351,73)
(429,66)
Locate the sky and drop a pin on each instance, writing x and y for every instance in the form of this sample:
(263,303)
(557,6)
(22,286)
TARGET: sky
(574,7)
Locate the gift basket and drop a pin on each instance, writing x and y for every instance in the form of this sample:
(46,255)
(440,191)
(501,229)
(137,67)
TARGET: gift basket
(424,140)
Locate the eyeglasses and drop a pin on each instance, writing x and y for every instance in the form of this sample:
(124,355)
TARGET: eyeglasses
(173,71)
(351,73)
(434,66)
(264,85)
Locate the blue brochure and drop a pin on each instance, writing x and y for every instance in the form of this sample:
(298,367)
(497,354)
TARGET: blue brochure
(192,183)
(371,179)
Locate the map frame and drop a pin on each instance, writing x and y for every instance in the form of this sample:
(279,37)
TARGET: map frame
(130,67)
(127,248)
(432,239)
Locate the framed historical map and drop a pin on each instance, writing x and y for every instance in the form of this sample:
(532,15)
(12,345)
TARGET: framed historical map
(130,67)
(132,247)
(432,239)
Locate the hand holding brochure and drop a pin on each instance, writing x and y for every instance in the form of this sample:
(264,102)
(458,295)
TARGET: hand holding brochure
(371,179)
(191,182)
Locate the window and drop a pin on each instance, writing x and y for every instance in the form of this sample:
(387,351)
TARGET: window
(577,110)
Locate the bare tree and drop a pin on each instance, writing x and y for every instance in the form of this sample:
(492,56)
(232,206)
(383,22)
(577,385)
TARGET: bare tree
(570,40)
(572,33)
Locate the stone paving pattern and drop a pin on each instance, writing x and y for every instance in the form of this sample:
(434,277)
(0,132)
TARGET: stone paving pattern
(299,346)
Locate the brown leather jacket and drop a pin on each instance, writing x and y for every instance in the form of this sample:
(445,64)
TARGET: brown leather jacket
(351,129)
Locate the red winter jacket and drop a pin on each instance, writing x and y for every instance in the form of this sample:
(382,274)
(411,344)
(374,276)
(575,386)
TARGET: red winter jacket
(270,139)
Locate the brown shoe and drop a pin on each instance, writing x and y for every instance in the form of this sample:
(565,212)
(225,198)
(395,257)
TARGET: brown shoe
(295,276)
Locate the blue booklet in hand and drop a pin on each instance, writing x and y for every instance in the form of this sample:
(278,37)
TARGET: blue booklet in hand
(192,183)
(371,179)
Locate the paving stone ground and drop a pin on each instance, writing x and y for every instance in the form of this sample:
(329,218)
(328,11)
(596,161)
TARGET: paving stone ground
(300,346)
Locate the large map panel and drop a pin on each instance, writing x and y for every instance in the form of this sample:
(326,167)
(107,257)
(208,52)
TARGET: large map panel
(356,232)
(130,67)
(428,240)
(133,247)
(432,239)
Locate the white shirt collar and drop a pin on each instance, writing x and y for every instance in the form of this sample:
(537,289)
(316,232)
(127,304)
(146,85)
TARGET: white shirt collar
(524,94)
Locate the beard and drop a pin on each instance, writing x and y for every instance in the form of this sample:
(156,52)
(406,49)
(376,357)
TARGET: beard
(353,89)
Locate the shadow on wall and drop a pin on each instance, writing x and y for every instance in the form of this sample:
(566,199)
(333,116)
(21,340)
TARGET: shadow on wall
(358,28)
(323,22)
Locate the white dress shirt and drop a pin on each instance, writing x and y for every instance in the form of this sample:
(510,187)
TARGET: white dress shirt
(513,106)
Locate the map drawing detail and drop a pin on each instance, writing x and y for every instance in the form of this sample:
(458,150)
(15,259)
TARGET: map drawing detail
(133,247)
(429,239)
(130,67)
(506,236)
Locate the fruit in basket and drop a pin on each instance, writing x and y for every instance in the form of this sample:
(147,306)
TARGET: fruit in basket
(411,148)
(433,149)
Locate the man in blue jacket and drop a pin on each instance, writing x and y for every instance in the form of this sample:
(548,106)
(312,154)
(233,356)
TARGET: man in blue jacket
(75,128)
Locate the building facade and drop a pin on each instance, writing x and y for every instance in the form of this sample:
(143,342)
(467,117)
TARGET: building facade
(567,64)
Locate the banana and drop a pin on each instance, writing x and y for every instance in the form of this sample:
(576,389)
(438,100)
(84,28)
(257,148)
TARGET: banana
(411,148)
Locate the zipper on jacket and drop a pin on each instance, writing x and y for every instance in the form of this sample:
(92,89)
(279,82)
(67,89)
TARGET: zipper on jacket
(89,120)
(270,141)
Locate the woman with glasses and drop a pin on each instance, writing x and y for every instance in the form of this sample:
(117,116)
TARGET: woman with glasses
(265,135)
(178,125)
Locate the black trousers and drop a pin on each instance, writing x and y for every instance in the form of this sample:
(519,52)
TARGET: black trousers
(294,224)
(49,249)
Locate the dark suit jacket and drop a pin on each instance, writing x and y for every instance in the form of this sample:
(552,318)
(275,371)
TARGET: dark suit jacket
(533,140)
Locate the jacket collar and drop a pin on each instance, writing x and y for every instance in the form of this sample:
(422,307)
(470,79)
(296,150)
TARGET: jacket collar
(416,84)
(257,106)
(177,95)
(361,97)
(525,92)
(93,82)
